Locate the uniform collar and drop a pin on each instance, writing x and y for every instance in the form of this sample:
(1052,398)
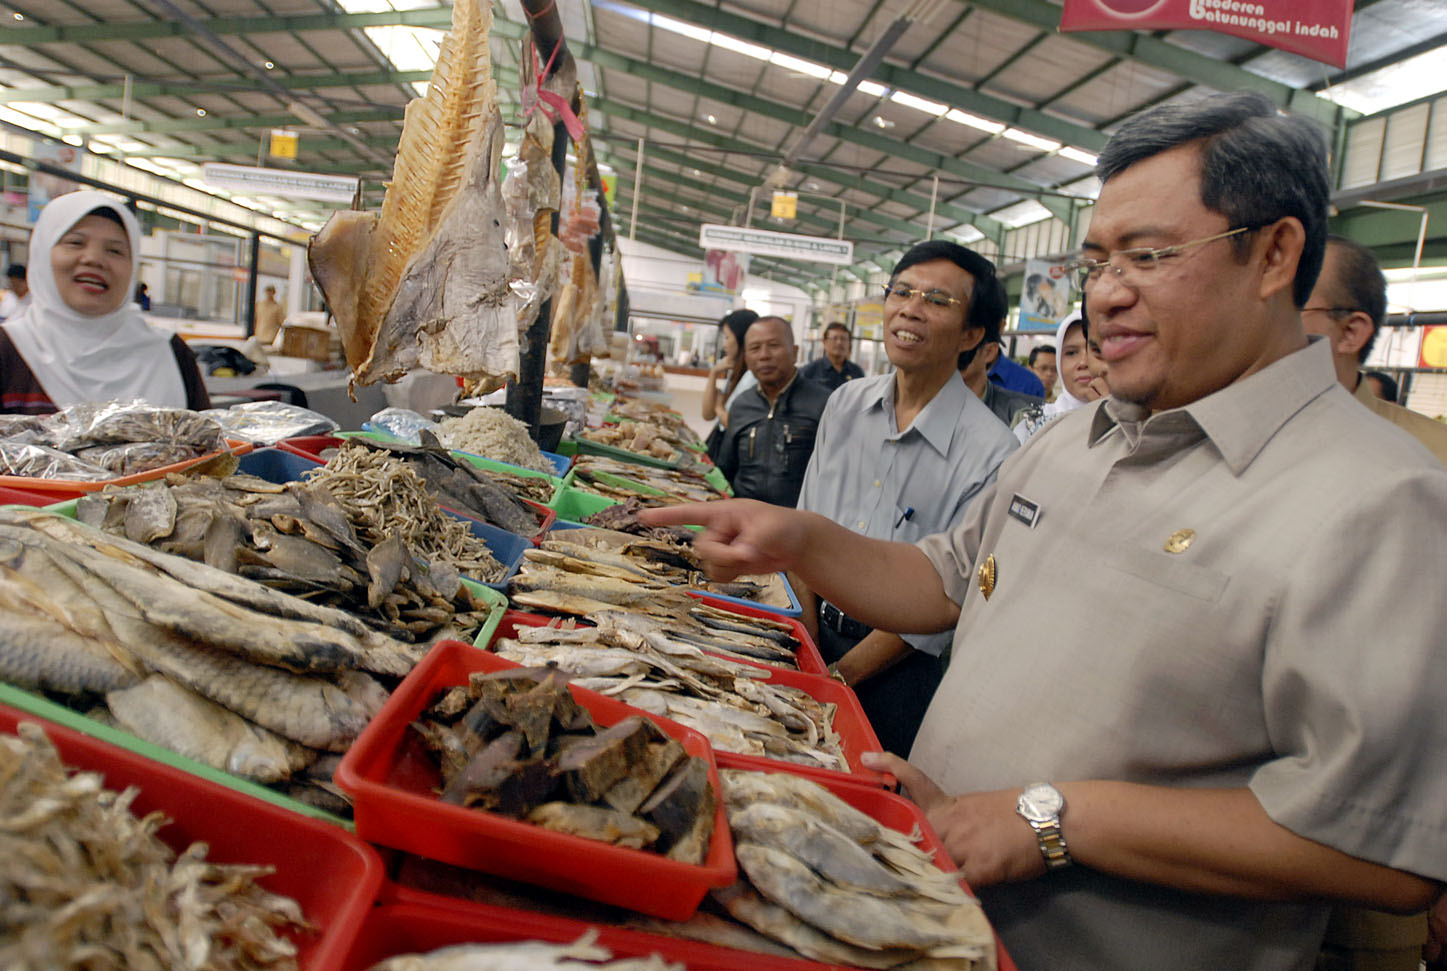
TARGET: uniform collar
(936,422)
(1240,418)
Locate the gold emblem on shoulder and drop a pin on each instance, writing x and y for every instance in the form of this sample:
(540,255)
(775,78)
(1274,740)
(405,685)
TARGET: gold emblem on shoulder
(985,576)
(1180,540)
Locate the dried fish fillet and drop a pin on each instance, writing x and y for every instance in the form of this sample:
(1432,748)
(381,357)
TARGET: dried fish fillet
(582,953)
(425,284)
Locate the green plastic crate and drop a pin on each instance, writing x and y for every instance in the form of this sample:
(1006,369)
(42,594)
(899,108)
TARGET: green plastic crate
(492,465)
(618,481)
(497,604)
(576,505)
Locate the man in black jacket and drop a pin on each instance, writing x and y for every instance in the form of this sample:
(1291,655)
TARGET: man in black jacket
(770,435)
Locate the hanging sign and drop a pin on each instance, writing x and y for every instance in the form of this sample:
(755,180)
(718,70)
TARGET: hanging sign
(280,182)
(283,143)
(1318,29)
(761,242)
(1045,297)
(785,205)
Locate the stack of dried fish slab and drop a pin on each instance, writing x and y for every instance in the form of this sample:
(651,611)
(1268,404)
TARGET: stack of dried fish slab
(517,743)
(623,518)
(296,538)
(617,567)
(636,409)
(384,498)
(683,485)
(581,955)
(465,488)
(425,284)
(253,681)
(837,886)
(642,438)
(731,702)
(87,884)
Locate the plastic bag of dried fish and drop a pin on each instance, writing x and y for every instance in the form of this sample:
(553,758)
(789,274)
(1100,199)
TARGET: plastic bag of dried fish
(90,885)
(516,955)
(116,422)
(44,462)
(403,423)
(267,422)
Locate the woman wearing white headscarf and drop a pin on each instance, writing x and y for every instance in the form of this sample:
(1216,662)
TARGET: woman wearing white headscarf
(1073,356)
(82,339)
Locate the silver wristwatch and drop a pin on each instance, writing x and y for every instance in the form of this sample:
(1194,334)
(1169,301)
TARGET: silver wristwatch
(1041,805)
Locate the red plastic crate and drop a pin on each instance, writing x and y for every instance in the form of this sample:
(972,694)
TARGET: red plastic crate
(393,783)
(894,811)
(856,735)
(19,497)
(332,874)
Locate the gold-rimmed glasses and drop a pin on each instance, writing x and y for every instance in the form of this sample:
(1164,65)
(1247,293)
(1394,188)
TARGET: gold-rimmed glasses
(1133,267)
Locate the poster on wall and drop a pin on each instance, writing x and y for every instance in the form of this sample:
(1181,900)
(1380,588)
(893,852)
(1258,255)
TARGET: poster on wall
(1045,298)
(1318,29)
(724,273)
(43,185)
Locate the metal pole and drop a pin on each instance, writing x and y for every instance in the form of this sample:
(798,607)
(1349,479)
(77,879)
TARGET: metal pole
(637,191)
(749,216)
(126,100)
(251,275)
(933,198)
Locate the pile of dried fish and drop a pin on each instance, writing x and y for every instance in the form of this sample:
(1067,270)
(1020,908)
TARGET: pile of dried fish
(581,954)
(636,409)
(494,434)
(465,488)
(642,662)
(88,885)
(640,437)
(623,518)
(837,886)
(83,613)
(97,441)
(614,567)
(296,538)
(517,743)
(684,485)
(383,497)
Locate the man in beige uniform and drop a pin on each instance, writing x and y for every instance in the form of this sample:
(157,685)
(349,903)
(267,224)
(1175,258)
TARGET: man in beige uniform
(1231,712)
(269,316)
(1348,307)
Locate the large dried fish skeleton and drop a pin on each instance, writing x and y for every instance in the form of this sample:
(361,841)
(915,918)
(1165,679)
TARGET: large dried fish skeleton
(425,284)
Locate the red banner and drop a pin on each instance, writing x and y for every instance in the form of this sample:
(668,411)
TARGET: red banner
(1318,29)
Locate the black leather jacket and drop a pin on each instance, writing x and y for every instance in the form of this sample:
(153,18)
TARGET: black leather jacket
(766,449)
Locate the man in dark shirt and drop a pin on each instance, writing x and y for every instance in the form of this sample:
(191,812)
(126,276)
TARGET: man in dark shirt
(834,368)
(770,436)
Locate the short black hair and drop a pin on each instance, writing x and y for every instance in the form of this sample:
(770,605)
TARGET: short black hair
(15,271)
(1039,349)
(987,303)
(1390,391)
(1359,284)
(833,326)
(1257,166)
(992,329)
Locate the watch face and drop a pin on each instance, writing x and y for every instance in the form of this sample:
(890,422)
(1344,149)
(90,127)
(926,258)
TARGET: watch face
(1041,802)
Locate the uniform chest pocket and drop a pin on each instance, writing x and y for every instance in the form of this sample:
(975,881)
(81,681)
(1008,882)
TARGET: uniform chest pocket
(1162,569)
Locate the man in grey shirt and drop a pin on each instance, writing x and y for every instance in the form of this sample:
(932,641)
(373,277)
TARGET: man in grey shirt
(900,456)
(1229,713)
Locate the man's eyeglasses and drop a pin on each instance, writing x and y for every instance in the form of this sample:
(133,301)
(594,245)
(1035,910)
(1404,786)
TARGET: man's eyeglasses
(1133,267)
(935,298)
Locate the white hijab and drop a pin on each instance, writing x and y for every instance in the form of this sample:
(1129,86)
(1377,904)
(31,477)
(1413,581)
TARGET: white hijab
(76,357)
(1065,401)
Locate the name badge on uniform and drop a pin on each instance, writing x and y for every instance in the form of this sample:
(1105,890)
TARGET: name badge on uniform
(1024,510)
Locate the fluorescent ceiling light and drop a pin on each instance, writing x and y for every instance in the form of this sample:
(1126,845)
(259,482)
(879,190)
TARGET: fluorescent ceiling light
(919,104)
(974,121)
(1416,77)
(1076,155)
(800,65)
(1034,141)
(871,88)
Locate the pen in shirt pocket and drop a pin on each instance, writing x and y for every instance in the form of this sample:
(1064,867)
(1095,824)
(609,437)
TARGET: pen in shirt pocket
(907,514)
(753,433)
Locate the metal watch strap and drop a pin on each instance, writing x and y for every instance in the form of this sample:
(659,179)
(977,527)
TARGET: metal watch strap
(1052,844)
